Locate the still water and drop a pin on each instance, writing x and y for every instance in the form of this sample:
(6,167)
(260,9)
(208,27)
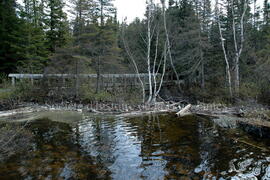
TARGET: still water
(69,145)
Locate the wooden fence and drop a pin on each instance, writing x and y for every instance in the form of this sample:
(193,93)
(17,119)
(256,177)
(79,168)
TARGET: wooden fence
(107,80)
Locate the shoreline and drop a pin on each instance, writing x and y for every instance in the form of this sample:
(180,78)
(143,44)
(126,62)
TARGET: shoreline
(98,108)
(212,110)
(249,118)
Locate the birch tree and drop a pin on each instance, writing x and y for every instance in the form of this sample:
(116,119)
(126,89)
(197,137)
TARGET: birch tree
(228,69)
(156,59)
(168,42)
(238,46)
(149,40)
(152,28)
(133,61)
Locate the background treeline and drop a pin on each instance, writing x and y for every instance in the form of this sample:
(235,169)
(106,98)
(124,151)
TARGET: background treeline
(214,46)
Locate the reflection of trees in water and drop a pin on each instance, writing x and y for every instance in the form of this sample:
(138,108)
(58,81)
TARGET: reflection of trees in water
(181,148)
(168,145)
(219,153)
(112,143)
(208,148)
(126,147)
(153,164)
(53,155)
(95,137)
(14,138)
(150,147)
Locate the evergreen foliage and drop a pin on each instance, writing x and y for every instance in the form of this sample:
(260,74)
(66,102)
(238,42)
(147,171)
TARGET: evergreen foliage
(37,35)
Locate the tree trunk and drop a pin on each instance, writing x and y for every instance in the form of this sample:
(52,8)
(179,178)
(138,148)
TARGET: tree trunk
(154,70)
(134,65)
(148,55)
(224,52)
(184,111)
(77,80)
(237,78)
(98,76)
(202,74)
(238,51)
(202,58)
(164,70)
(168,44)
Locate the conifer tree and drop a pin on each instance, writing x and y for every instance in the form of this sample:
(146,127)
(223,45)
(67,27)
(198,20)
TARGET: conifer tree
(34,44)
(10,36)
(57,25)
(266,12)
(106,38)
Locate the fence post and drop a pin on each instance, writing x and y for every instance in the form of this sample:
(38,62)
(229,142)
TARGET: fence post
(13,81)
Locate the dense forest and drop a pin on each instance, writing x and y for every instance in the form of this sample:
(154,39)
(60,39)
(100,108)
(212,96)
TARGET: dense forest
(216,50)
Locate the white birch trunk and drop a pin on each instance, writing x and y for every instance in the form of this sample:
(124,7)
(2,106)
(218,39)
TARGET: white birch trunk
(163,72)
(154,70)
(238,50)
(224,52)
(134,65)
(168,43)
(148,54)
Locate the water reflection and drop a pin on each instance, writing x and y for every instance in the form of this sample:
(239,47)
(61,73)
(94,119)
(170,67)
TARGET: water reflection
(150,147)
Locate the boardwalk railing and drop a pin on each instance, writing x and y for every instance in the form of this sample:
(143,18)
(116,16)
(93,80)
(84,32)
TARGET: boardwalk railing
(108,79)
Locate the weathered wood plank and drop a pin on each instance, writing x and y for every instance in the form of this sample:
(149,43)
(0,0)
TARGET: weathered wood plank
(38,76)
(109,80)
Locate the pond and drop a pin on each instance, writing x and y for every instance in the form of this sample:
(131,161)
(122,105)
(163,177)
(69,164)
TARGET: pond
(68,145)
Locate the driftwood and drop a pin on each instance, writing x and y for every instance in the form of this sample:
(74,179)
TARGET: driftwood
(142,113)
(19,111)
(250,144)
(185,111)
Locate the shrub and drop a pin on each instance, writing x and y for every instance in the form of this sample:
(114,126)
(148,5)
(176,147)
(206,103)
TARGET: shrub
(6,94)
(88,94)
(249,90)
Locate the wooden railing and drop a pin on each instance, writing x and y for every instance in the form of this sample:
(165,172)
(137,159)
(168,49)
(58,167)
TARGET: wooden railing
(113,79)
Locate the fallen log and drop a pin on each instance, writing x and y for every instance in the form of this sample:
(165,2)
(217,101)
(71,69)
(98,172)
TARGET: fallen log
(142,113)
(185,111)
(251,144)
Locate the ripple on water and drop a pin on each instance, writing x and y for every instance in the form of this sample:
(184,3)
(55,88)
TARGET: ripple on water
(150,147)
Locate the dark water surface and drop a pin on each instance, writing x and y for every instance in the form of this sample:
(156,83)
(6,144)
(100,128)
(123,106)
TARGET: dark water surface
(68,146)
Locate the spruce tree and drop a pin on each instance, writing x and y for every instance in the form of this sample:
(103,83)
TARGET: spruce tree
(10,36)
(266,12)
(57,25)
(34,44)
(104,12)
